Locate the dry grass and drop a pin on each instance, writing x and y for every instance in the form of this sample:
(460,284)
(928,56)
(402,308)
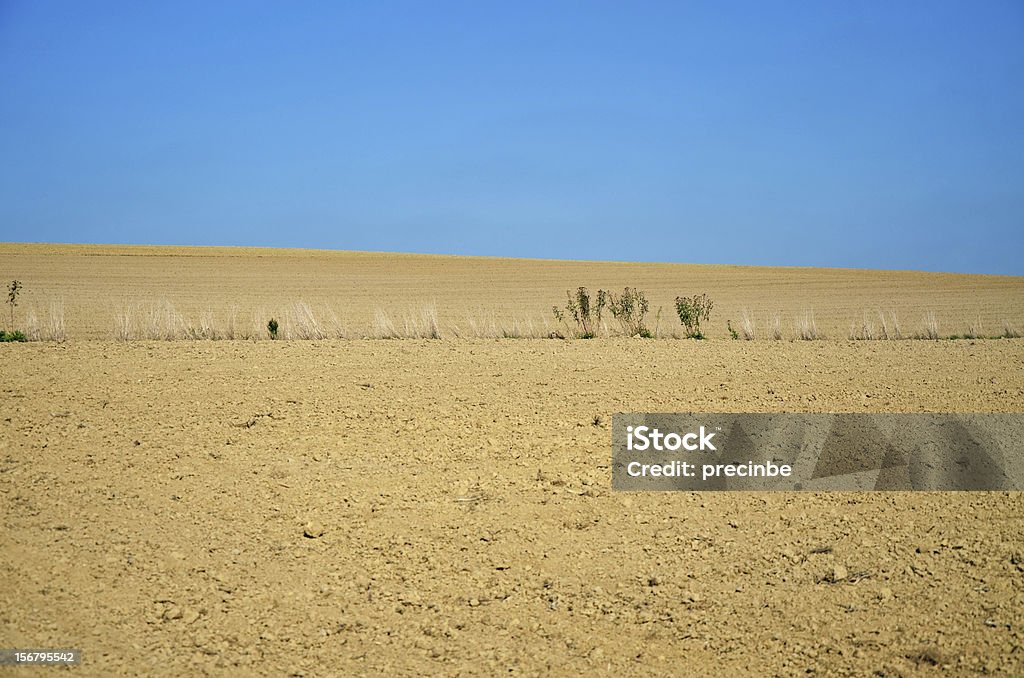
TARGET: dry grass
(806,327)
(890,325)
(422,324)
(930,326)
(56,327)
(865,331)
(485,325)
(33,332)
(231,326)
(51,327)
(383,326)
(336,327)
(301,323)
(747,326)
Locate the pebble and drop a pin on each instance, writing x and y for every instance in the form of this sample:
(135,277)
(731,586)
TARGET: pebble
(839,573)
(313,529)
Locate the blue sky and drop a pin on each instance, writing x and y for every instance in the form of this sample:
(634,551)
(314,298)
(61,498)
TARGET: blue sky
(854,134)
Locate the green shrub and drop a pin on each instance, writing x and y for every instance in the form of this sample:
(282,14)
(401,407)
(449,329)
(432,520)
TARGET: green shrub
(692,312)
(12,298)
(630,309)
(272,328)
(584,312)
(16,335)
(732,332)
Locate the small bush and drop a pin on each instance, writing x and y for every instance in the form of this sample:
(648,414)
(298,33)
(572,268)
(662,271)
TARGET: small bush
(732,332)
(16,335)
(1009,331)
(630,309)
(773,327)
(272,328)
(585,313)
(12,299)
(692,312)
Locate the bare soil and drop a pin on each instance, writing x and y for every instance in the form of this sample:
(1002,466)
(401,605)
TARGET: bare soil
(444,507)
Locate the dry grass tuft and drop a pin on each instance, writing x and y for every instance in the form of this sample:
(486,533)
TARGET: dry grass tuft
(890,325)
(383,326)
(930,328)
(422,324)
(806,327)
(56,327)
(32,329)
(866,331)
(747,326)
(302,323)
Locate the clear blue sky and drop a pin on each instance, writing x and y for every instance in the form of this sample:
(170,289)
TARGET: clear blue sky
(857,134)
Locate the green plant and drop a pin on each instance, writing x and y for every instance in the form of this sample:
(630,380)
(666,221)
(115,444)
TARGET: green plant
(16,335)
(272,328)
(584,312)
(732,332)
(692,312)
(12,298)
(630,309)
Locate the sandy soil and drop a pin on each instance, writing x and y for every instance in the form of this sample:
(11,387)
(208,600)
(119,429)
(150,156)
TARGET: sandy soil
(444,507)
(157,499)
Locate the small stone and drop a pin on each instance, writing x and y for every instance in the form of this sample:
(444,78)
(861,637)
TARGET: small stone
(885,594)
(312,530)
(173,612)
(839,573)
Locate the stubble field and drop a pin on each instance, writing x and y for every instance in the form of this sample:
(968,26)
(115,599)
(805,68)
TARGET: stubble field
(347,507)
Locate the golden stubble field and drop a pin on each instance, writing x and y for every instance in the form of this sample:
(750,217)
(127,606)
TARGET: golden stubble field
(96,283)
(157,496)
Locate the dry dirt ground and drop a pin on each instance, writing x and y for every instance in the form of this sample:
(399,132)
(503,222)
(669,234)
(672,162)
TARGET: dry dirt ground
(444,507)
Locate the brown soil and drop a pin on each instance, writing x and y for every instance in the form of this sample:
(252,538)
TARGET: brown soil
(444,507)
